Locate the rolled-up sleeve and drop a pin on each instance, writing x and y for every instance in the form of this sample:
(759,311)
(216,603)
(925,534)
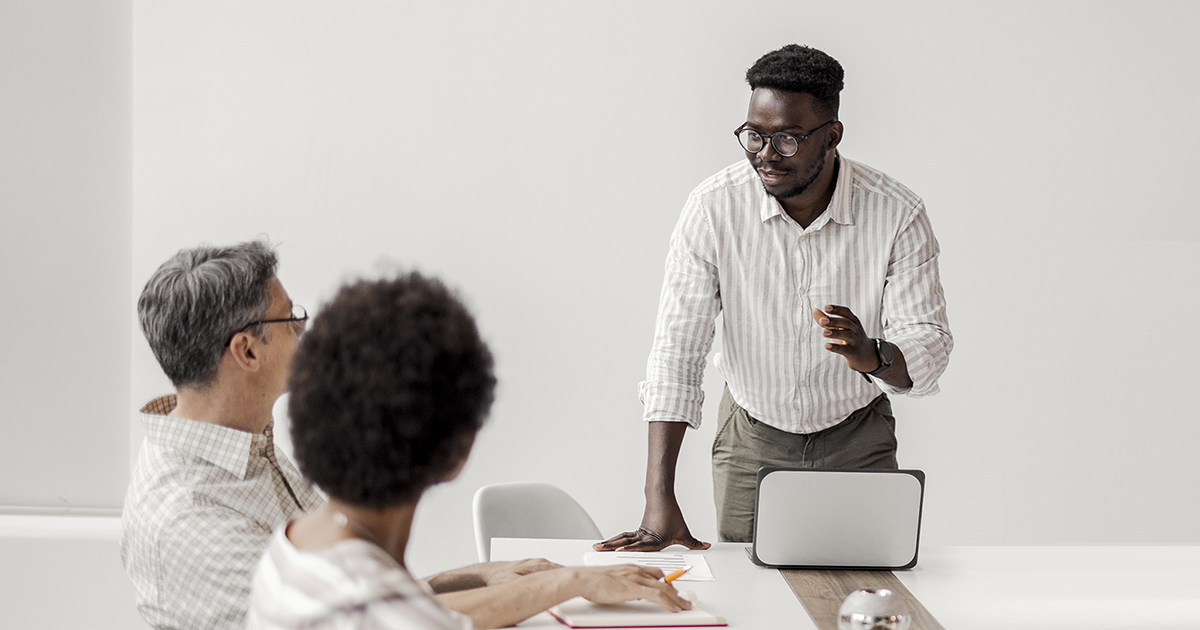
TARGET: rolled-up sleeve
(683,334)
(914,307)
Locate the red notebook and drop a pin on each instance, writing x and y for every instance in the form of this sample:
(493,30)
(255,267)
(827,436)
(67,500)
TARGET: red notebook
(580,613)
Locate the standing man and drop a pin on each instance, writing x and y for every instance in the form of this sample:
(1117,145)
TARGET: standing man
(826,271)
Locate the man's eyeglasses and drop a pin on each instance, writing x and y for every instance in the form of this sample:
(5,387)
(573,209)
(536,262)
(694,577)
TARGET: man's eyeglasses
(785,144)
(299,316)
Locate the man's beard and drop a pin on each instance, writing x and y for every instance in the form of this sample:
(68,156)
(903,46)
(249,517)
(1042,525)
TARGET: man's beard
(809,177)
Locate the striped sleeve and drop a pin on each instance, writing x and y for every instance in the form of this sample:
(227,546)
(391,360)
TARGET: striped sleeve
(687,311)
(914,307)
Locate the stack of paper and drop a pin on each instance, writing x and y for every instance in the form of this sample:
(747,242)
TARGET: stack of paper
(668,562)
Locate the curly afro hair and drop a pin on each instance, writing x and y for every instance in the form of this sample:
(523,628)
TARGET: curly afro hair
(388,388)
(796,68)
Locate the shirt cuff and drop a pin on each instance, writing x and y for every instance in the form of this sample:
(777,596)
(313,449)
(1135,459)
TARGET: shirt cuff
(918,360)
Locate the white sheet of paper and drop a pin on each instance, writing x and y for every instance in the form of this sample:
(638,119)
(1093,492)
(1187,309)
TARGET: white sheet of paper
(668,562)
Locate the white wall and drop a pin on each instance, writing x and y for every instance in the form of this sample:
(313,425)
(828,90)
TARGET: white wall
(536,155)
(59,572)
(65,182)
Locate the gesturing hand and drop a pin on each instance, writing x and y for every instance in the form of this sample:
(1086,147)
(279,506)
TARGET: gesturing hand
(844,335)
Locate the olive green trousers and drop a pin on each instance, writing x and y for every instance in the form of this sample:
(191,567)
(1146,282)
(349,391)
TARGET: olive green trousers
(865,439)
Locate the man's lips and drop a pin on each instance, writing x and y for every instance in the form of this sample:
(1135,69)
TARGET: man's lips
(771,176)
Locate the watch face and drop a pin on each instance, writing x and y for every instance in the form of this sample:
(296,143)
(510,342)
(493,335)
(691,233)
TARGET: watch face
(885,351)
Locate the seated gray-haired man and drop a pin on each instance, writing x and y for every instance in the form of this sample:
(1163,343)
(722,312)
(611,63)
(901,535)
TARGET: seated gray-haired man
(208,487)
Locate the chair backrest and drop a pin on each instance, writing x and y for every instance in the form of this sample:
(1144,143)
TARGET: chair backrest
(527,510)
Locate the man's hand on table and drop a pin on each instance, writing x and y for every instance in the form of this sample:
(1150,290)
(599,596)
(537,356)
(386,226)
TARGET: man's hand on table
(661,528)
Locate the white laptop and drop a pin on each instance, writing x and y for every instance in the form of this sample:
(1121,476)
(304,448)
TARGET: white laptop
(822,518)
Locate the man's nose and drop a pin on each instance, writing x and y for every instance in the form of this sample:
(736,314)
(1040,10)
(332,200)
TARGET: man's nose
(768,153)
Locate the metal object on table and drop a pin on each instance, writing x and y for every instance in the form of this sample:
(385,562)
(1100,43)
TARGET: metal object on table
(879,609)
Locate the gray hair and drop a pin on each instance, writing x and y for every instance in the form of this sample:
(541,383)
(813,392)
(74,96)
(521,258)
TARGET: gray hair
(200,298)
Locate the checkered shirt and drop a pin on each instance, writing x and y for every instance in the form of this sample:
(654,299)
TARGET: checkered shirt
(198,515)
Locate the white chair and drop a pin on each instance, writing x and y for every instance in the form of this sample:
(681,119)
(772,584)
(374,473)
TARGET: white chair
(527,510)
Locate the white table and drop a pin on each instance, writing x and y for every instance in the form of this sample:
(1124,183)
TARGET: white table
(969,588)
(1059,587)
(748,596)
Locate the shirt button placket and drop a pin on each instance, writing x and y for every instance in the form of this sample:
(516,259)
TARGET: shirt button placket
(802,319)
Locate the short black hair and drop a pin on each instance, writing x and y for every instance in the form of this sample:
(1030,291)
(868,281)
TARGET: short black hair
(796,68)
(388,388)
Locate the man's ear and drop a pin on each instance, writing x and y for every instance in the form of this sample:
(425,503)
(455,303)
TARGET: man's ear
(835,134)
(243,350)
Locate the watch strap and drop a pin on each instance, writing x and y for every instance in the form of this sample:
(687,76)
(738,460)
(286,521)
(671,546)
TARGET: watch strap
(883,350)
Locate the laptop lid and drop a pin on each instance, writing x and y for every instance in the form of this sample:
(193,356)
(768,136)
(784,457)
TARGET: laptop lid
(824,518)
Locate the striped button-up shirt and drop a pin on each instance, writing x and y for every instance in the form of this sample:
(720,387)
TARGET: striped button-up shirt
(349,584)
(198,515)
(735,252)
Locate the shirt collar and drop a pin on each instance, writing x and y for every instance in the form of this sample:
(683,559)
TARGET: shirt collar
(229,449)
(840,209)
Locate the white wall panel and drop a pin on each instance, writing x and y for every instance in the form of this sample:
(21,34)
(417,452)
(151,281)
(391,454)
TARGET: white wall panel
(65,182)
(536,155)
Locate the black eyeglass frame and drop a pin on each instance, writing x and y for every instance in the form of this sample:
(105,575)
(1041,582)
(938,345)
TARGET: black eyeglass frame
(737,133)
(302,319)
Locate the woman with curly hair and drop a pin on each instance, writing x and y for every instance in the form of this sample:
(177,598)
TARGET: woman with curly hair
(388,390)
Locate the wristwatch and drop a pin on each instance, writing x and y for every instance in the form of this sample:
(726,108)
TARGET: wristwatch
(883,350)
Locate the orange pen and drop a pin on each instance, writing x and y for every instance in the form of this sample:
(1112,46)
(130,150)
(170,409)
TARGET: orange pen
(676,574)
